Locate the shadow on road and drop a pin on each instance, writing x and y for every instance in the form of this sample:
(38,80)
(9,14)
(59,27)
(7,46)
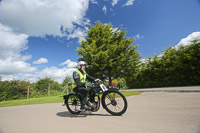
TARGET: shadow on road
(82,114)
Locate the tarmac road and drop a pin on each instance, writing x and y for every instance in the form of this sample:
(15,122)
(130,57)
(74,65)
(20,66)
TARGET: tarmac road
(150,112)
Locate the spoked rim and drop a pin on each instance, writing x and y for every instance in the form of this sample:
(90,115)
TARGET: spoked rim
(74,103)
(114,102)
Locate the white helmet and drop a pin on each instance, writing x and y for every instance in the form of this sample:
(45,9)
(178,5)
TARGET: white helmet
(81,63)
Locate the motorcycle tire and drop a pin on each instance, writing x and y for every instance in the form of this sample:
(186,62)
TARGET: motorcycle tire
(73,103)
(114,102)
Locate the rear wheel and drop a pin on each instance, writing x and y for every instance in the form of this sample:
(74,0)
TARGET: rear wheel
(114,102)
(73,103)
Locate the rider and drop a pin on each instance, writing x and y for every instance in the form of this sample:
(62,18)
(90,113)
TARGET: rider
(79,79)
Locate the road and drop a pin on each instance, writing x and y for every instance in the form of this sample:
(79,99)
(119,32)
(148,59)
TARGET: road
(151,112)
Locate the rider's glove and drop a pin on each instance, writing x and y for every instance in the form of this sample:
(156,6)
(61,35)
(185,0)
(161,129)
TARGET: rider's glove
(97,80)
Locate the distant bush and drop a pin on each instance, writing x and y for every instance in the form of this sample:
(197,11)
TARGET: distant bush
(11,90)
(41,86)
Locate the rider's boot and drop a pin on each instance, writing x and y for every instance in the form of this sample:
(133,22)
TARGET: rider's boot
(85,107)
(89,104)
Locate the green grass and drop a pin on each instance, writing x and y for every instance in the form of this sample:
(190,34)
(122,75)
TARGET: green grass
(51,99)
(130,93)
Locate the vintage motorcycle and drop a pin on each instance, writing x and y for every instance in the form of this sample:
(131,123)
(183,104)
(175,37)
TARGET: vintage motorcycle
(112,100)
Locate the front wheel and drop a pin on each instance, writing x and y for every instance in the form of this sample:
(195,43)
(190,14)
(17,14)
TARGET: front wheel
(114,102)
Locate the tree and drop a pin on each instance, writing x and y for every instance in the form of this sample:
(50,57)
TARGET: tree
(108,52)
(174,67)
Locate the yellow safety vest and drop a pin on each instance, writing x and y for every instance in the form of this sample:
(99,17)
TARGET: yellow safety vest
(82,78)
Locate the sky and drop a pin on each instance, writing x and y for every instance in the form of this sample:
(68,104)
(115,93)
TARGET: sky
(39,38)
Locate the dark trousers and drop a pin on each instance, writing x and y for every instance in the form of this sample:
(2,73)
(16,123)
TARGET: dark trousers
(84,94)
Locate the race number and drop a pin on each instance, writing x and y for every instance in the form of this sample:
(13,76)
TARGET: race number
(103,87)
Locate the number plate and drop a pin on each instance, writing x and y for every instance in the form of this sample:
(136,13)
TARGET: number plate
(103,87)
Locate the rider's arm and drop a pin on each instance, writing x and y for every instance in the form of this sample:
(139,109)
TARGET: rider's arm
(89,77)
(76,78)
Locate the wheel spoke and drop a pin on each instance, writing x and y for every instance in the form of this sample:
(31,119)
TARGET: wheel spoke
(108,104)
(109,97)
(114,95)
(115,103)
(73,104)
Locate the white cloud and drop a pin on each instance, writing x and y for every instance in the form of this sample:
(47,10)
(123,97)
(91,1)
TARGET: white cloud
(114,2)
(40,61)
(10,66)
(129,3)
(104,9)
(23,77)
(23,18)
(56,73)
(13,64)
(188,40)
(138,36)
(78,33)
(42,17)
(69,64)
(11,44)
(94,2)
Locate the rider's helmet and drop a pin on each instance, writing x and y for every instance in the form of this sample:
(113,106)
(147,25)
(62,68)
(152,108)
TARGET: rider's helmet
(81,63)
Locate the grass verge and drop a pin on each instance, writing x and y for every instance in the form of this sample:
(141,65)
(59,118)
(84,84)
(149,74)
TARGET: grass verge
(51,99)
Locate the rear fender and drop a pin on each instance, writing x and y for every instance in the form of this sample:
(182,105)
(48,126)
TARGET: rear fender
(65,96)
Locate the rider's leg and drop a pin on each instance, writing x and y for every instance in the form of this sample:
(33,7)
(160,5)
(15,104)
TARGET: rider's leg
(84,91)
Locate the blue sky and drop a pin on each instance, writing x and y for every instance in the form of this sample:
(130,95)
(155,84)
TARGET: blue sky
(39,38)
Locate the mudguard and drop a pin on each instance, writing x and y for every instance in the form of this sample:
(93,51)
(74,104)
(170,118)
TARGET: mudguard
(65,97)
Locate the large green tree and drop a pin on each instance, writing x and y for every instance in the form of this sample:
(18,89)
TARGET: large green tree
(108,52)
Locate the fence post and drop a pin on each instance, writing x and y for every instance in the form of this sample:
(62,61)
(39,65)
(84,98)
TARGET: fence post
(67,88)
(28,90)
(49,89)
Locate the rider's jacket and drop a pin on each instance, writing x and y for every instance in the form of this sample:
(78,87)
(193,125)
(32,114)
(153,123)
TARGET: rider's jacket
(82,76)
(79,78)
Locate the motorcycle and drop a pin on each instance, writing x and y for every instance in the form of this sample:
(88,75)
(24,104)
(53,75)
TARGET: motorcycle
(112,100)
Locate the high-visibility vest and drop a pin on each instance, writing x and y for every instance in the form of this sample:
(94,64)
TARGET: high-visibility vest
(82,78)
